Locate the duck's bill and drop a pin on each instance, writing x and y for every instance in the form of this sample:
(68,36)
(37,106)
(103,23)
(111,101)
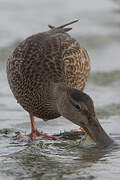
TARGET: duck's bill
(97,133)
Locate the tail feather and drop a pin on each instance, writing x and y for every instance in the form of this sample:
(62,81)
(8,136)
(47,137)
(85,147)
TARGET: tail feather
(50,26)
(62,28)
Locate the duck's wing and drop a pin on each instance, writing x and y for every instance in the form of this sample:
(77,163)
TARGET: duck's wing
(51,56)
(75,58)
(77,66)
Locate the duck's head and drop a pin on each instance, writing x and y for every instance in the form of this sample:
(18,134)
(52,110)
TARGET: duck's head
(78,107)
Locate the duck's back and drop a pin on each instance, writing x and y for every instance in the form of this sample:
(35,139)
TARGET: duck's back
(38,63)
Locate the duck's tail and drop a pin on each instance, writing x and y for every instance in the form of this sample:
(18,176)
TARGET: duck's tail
(63,27)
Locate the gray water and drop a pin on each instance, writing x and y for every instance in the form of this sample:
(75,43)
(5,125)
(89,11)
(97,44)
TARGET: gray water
(99,32)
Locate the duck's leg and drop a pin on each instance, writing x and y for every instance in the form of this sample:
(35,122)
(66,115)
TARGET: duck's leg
(78,130)
(35,134)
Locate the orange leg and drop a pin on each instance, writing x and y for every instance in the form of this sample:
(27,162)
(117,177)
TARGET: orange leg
(77,130)
(35,134)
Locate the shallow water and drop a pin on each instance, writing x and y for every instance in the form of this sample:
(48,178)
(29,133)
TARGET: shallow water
(98,31)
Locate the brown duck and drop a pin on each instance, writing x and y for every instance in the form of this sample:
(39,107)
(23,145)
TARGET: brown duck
(47,73)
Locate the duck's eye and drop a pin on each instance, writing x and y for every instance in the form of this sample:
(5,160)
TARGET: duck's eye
(77,107)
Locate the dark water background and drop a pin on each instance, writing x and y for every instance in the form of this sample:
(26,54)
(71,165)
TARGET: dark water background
(98,31)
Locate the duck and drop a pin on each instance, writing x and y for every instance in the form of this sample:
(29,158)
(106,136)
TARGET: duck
(47,73)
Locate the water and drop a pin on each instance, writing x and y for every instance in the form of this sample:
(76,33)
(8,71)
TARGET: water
(98,31)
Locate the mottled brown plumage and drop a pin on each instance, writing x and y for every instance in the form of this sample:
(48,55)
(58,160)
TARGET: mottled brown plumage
(41,62)
(47,73)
